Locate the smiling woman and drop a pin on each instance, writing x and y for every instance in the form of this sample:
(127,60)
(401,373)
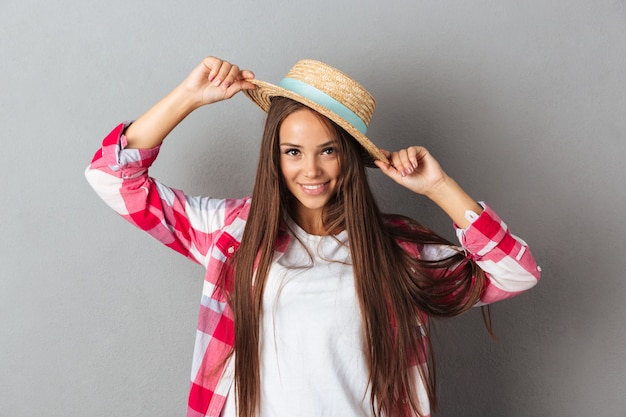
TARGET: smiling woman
(310,166)
(313,297)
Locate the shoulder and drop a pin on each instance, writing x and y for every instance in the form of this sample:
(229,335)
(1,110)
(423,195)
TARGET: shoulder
(236,210)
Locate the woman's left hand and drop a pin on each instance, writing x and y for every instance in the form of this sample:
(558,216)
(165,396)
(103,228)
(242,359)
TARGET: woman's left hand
(414,168)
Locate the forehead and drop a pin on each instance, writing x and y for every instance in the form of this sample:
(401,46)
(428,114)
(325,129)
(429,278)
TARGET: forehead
(305,125)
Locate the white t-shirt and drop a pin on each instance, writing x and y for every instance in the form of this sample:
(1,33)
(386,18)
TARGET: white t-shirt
(311,348)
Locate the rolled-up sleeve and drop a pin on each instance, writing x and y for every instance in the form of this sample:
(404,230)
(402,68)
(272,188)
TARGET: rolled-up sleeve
(184,223)
(506,259)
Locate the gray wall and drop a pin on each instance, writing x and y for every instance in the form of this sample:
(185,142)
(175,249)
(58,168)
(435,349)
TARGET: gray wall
(522,101)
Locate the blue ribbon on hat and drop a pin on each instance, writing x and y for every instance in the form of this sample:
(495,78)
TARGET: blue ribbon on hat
(324,100)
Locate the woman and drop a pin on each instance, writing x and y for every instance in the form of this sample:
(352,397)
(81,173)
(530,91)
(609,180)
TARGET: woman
(314,302)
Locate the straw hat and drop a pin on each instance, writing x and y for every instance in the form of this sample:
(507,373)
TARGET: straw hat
(329,92)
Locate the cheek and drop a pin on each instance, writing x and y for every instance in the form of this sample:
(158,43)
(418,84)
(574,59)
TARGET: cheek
(288,171)
(335,169)
(284,168)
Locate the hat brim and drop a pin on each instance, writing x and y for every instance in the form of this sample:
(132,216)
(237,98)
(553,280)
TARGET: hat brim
(265,91)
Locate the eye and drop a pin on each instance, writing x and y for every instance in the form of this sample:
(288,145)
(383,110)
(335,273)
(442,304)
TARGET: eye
(292,152)
(328,151)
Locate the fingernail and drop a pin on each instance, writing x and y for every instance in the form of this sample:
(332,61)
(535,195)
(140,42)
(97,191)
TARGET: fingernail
(217,82)
(227,84)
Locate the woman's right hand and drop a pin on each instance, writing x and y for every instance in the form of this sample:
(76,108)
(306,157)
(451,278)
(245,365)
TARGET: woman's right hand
(211,81)
(216,80)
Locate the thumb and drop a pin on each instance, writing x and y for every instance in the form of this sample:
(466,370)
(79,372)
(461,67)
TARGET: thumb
(238,86)
(386,168)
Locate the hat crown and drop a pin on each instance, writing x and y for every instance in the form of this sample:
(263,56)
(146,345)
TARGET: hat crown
(329,92)
(336,84)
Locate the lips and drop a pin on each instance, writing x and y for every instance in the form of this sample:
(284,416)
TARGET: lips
(314,189)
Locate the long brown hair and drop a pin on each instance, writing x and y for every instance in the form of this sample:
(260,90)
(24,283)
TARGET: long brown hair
(394,287)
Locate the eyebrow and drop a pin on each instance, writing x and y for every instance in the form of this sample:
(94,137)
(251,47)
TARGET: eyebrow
(323,145)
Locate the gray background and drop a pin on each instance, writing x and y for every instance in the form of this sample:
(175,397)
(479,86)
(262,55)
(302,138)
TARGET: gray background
(523,102)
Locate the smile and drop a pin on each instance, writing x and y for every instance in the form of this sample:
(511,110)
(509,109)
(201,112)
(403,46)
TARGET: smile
(314,189)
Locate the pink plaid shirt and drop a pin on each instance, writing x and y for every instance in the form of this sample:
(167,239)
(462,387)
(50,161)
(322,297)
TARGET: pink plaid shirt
(208,231)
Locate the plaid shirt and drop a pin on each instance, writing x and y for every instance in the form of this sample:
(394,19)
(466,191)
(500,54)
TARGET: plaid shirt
(209,230)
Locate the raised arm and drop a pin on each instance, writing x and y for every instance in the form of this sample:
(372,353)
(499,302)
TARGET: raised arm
(211,81)
(506,259)
(119,174)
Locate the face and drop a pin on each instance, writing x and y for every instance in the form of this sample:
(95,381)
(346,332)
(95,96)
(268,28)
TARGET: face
(309,163)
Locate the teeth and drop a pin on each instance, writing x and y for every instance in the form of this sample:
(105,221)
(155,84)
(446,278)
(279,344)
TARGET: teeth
(313,187)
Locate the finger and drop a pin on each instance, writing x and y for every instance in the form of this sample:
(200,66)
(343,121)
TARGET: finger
(237,86)
(386,156)
(245,75)
(382,165)
(213,64)
(232,76)
(386,168)
(405,159)
(422,157)
(398,159)
(223,72)
(413,155)
(246,85)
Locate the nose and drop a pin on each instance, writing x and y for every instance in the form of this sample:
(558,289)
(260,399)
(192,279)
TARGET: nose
(311,166)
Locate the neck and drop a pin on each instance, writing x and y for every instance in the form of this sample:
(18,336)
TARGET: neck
(312,225)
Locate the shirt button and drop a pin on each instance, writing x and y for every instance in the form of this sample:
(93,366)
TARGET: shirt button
(231,249)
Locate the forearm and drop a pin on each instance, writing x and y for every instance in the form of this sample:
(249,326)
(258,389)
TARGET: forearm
(149,130)
(454,201)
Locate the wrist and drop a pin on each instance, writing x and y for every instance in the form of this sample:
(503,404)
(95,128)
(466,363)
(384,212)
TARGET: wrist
(444,187)
(184,100)
(454,201)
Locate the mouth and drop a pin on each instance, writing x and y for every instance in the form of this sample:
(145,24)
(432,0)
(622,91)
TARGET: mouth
(314,189)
